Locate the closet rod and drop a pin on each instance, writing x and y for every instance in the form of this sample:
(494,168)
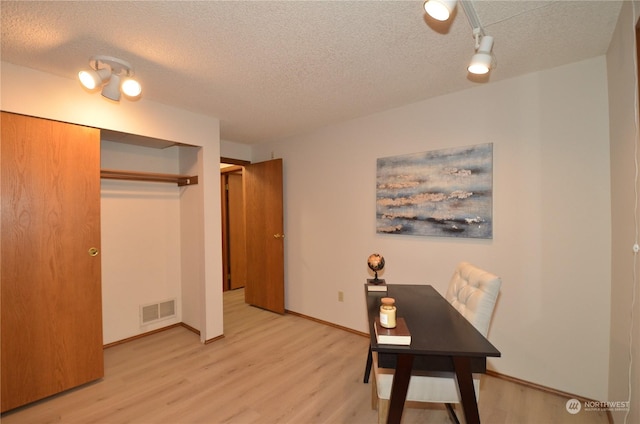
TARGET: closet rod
(181,180)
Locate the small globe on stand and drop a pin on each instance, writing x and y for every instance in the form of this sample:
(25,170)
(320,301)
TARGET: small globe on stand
(375,263)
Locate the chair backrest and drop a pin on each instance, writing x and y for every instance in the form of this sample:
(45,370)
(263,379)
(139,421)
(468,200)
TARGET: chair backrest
(473,292)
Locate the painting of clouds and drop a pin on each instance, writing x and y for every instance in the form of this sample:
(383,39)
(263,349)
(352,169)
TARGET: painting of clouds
(445,193)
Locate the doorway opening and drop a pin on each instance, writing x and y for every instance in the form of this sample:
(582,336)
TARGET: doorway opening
(234,255)
(255,259)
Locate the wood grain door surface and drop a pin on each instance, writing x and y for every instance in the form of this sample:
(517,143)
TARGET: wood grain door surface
(265,235)
(51,309)
(237,234)
(224,212)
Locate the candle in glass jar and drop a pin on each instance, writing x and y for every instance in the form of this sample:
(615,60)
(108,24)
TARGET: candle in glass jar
(388,312)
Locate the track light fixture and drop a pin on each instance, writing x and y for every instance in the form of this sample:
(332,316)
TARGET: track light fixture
(114,75)
(440,9)
(483,60)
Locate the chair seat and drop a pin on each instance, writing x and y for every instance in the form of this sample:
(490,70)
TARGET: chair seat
(436,387)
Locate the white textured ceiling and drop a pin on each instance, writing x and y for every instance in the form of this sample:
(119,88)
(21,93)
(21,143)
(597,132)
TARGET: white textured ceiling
(272,69)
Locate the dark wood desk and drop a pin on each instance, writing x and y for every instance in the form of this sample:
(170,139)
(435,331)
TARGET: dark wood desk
(441,340)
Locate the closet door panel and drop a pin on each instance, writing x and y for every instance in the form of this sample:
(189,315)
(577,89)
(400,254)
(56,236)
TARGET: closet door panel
(51,307)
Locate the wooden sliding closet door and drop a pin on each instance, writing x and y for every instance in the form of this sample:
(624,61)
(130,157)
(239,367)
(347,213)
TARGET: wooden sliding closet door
(51,308)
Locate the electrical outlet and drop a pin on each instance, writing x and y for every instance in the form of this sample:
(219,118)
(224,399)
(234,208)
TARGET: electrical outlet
(340,296)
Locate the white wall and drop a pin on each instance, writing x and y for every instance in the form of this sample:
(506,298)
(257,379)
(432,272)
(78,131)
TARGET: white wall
(551,242)
(44,95)
(140,252)
(623,92)
(229,149)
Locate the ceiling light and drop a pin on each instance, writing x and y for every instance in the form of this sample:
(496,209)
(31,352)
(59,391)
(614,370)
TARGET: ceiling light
(131,87)
(94,78)
(482,60)
(113,75)
(112,89)
(440,9)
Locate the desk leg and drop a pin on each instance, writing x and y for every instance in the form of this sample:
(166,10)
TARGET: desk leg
(399,387)
(462,366)
(367,368)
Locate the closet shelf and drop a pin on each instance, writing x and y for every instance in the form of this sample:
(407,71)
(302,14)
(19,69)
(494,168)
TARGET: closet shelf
(181,180)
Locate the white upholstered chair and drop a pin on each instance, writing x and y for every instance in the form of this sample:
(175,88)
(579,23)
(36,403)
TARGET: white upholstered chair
(473,292)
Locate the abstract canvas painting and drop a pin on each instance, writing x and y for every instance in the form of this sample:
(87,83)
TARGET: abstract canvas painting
(445,193)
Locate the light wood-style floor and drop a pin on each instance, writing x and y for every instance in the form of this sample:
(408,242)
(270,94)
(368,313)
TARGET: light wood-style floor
(269,368)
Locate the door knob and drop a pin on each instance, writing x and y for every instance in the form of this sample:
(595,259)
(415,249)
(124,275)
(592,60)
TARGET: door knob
(278,235)
(93,252)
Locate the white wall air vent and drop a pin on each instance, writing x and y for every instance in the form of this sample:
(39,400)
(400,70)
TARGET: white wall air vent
(157,312)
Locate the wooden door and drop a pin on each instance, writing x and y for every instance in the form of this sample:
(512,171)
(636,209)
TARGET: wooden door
(265,235)
(234,252)
(237,235)
(226,272)
(51,307)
